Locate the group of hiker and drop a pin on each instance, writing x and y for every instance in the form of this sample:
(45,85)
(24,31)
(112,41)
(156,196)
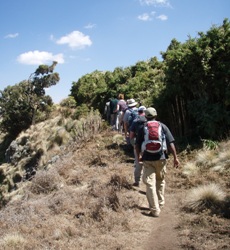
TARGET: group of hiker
(151,141)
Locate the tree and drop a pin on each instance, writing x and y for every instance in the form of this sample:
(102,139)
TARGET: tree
(20,103)
(42,78)
(197,84)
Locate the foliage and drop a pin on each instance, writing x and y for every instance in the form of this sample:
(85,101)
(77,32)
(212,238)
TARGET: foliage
(25,103)
(190,88)
(90,89)
(15,110)
(81,111)
(143,81)
(68,102)
(197,84)
(209,144)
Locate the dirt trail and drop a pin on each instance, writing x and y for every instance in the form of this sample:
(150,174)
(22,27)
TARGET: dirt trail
(163,234)
(162,230)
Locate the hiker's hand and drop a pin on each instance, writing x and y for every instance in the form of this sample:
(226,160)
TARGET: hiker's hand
(176,162)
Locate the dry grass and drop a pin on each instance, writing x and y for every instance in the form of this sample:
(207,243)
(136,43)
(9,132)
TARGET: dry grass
(84,200)
(80,196)
(42,145)
(205,158)
(206,203)
(13,241)
(190,169)
(205,197)
(45,182)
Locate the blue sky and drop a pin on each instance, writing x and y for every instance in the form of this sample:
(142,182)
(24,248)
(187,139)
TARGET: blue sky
(88,35)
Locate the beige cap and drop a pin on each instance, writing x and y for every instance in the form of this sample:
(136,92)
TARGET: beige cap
(150,112)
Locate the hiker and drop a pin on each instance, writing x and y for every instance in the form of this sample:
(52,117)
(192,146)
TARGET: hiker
(126,119)
(121,110)
(137,124)
(154,157)
(113,113)
(107,111)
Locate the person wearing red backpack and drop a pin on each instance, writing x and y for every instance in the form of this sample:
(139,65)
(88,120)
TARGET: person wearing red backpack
(151,146)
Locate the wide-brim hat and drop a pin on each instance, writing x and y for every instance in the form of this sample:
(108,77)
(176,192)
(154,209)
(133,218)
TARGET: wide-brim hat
(131,103)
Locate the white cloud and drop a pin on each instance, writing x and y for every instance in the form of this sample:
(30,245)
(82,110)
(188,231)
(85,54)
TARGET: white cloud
(76,39)
(148,17)
(156,3)
(12,35)
(162,17)
(144,17)
(90,26)
(39,57)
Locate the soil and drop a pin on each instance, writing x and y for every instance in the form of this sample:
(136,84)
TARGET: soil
(163,233)
(159,233)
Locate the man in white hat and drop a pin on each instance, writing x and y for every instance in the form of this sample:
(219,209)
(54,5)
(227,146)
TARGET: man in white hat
(137,124)
(131,108)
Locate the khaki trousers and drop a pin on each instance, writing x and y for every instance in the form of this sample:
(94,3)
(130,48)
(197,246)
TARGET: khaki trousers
(154,178)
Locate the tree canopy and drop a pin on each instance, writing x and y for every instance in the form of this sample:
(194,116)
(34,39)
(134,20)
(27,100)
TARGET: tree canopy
(25,103)
(190,87)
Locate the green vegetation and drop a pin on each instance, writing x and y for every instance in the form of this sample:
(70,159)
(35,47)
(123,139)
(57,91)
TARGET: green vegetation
(25,103)
(190,88)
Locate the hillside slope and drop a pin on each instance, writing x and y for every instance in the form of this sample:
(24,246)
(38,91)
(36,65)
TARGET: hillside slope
(86,201)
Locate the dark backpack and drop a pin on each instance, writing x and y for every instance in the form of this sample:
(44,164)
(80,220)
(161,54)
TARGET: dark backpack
(154,138)
(133,115)
(140,121)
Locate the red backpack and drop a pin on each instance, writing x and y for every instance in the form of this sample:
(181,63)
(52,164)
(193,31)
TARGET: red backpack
(154,138)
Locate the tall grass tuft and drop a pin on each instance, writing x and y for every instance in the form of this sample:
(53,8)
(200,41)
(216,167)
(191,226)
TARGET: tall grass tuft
(204,159)
(204,197)
(190,169)
(13,241)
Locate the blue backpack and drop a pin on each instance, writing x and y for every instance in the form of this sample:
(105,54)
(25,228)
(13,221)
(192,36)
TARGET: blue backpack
(133,115)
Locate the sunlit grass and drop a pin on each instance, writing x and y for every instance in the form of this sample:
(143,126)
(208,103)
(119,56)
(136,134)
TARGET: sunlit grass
(13,241)
(118,139)
(204,158)
(190,169)
(204,197)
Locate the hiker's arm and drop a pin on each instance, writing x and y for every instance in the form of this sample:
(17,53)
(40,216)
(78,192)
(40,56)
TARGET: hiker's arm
(117,109)
(173,151)
(138,152)
(126,129)
(131,135)
(138,144)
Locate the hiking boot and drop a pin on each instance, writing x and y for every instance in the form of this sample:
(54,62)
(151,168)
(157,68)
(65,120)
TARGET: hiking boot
(155,213)
(136,184)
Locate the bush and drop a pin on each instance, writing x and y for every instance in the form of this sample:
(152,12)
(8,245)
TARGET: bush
(45,182)
(204,197)
(81,111)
